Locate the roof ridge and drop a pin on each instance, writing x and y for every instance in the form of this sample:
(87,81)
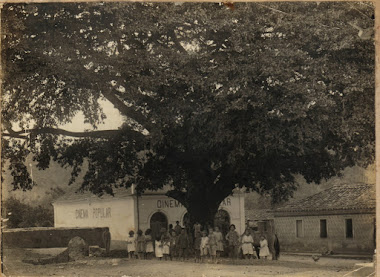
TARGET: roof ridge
(338,196)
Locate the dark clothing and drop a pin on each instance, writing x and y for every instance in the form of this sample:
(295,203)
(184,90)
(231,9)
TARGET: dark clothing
(182,253)
(183,241)
(197,243)
(233,238)
(233,251)
(256,238)
(256,242)
(257,249)
(276,248)
(182,245)
(178,229)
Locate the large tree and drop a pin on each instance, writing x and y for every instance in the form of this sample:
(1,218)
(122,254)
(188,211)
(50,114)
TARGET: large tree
(213,97)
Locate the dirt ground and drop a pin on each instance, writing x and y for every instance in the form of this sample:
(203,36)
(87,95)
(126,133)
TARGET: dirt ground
(288,265)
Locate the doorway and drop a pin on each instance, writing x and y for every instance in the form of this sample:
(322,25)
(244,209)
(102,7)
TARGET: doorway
(158,221)
(222,220)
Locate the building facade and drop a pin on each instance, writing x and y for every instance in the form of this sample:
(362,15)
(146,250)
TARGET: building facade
(340,219)
(125,211)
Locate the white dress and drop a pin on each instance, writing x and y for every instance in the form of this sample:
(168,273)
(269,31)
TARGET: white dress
(264,250)
(149,244)
(166,248)
(219,240)
(204,246)
(158,249)
(246,244)
(131,244)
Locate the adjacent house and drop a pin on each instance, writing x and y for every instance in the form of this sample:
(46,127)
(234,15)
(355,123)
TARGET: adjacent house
(339,219)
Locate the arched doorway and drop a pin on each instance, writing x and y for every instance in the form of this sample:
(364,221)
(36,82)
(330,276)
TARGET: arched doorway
(158,221)
(222,220)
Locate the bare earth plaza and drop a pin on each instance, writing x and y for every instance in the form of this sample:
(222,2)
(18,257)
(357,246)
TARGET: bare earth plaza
(188,139)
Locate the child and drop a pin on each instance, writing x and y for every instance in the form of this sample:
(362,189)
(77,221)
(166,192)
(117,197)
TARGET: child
(213,244)
(140,245)
(219,240)
(233,242)
(247,244)
(197,247)
(264,250)
(256,241)
(165,239)
(204,245)
(131,245)
(148,244)
(197,229)
(158,248)
(172,244)
(183,244)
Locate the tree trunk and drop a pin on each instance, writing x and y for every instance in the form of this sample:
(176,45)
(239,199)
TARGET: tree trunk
(201,207)
(203,212)
(202,204)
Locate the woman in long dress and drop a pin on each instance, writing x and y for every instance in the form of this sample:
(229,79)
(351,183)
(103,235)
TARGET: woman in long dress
(264,250)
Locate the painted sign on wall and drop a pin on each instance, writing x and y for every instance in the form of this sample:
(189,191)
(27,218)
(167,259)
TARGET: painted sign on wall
(226,202)
(96,213)
(170,203)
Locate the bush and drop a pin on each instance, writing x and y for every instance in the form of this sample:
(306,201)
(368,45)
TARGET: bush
(21,215)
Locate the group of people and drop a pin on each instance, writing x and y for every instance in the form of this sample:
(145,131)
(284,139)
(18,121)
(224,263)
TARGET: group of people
(176,243)
(167,244)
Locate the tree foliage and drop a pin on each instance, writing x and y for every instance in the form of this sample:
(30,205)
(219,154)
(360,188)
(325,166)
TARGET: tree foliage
(17,214)
(213,97)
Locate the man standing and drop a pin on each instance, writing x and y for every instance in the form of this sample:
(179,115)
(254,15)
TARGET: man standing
(276,246)
(177,228)
(182,245)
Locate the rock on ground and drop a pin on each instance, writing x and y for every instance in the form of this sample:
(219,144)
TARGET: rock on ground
(77,248)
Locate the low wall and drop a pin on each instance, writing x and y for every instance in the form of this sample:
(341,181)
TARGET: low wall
(54,237)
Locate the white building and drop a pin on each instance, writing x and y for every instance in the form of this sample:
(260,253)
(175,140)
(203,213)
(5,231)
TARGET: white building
(125,211)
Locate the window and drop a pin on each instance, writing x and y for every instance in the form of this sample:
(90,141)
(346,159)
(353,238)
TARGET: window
(323,228)
(299,229)
(349,233)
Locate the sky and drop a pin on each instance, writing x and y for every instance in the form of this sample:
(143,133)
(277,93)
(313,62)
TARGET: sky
(55,176)
(113,121)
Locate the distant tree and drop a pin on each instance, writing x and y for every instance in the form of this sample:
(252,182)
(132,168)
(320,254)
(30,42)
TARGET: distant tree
(214,98)
(21,215)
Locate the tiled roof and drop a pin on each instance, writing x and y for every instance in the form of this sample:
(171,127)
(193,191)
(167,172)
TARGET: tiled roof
(339,197)
(74,195)
(258,214)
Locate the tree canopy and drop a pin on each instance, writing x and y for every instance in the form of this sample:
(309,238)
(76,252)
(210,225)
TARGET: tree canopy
(213,97)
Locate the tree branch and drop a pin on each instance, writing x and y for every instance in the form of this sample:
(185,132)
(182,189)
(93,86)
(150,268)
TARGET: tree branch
(57,131)
(176,42)
(127,111)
